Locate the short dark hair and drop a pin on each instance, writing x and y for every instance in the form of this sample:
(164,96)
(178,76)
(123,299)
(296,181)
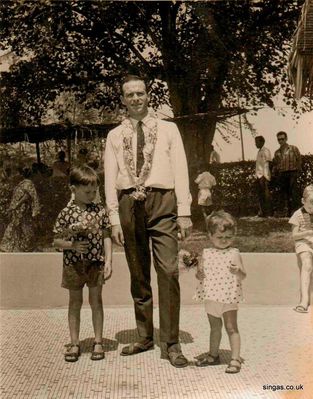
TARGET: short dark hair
(282,134)
(260,138)
(61,155)
(82,176)
(130,77)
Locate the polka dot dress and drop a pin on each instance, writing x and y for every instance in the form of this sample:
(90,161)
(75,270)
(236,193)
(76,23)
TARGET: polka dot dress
(219,283)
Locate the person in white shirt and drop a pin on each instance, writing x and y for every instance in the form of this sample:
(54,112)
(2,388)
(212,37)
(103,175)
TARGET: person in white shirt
(148,198)
(263,177)
(214,155)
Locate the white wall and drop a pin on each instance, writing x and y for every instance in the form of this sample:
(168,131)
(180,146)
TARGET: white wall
(33,281)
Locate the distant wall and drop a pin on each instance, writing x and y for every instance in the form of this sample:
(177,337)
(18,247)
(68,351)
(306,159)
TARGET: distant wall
(33,281)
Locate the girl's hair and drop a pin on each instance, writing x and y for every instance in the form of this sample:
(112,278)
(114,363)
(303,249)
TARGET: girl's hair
(83,175)
(308,192)
(222,221)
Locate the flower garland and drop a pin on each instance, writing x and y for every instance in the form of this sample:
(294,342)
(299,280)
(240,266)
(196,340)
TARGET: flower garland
(148,150)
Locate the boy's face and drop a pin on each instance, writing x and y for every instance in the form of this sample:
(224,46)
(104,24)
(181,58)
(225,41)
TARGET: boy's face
(308,204)
(84,194)
(222,239)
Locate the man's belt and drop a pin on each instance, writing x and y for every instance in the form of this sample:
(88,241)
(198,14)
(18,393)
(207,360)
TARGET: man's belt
(147,190)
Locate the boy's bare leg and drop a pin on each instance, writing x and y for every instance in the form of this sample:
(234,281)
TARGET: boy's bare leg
(305,277)
(216,325)
(75,304)
(230,322)
(95,300)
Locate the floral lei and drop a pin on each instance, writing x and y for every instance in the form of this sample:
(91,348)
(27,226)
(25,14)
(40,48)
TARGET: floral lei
(148,151)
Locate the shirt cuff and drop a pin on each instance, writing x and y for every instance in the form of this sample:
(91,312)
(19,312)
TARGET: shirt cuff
(183,210)
(114,219)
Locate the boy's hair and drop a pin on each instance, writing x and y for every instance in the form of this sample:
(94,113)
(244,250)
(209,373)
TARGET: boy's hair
(83,175)
(221,220)
(308,192)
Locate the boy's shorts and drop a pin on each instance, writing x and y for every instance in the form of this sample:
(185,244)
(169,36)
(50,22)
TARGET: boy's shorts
(217,309)
(76,275)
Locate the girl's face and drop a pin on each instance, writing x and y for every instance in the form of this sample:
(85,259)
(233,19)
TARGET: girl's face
(222,239)
(84,194)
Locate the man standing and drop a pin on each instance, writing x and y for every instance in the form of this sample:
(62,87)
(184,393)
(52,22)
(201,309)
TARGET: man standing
(214,155)
(145,161)
(263,177)
(286,166)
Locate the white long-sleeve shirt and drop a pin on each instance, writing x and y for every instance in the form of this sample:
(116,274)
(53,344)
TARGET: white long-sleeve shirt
(262,167)
(169,167)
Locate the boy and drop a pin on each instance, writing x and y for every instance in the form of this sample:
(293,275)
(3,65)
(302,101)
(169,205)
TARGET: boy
(81,231)
(302,232)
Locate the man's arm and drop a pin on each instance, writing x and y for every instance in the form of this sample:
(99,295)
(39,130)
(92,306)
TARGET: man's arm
(181,181)
(299,160)
(111,172)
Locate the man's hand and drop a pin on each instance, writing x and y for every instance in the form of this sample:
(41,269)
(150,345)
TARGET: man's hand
(185,226)
(117,234)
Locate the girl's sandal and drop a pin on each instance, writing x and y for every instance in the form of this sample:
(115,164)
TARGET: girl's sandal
(95,355)
(208,360)
(233,368)
(70,356)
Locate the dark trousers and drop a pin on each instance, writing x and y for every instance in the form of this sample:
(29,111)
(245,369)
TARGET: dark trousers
(153,218)
(264,196)
(289,190)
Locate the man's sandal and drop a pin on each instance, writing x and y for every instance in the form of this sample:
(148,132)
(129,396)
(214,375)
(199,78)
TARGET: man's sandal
(233,367)
(208,360)
(137,347)
(70,356)
(95,355)
(175,356)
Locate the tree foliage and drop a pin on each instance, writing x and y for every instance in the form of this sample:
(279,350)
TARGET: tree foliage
(202,57)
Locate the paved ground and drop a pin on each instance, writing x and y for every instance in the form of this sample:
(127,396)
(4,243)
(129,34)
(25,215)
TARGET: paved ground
(277,347)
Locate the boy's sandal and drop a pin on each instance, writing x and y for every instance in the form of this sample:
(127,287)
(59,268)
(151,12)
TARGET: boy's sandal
(300,309)
(70,356)
(95,355)
(233,368)
(208,360)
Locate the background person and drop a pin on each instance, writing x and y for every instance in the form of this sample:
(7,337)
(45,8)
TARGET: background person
(205,182)
(60,167)
(214,155)
(145,160)
(263,177)
(286,167)
(19,235)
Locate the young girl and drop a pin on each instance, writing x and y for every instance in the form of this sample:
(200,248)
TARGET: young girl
(302,233)
(220,274)
(81,231)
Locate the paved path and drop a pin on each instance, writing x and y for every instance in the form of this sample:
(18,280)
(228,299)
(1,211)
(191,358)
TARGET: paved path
(277,347)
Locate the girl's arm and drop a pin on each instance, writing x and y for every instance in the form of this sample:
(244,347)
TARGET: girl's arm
(237,266)
(299,235)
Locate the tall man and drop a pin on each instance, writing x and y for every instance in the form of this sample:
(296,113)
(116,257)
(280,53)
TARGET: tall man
(145,161)
(263,177)
(286,166)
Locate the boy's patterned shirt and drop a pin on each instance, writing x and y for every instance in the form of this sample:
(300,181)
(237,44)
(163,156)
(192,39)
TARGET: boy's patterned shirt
(303,219)
(95,217)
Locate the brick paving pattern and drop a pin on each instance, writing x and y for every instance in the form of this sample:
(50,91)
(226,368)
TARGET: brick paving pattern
(277,348)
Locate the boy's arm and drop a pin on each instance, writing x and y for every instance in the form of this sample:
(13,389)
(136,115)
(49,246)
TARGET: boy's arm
(299,235)
(108,249)
(78,246)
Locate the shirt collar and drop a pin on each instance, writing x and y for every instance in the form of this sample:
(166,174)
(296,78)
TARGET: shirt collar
(134,122)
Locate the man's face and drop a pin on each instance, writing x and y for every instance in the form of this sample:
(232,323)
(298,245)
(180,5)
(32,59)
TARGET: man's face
(135,98)
(282,139)
(259,143)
